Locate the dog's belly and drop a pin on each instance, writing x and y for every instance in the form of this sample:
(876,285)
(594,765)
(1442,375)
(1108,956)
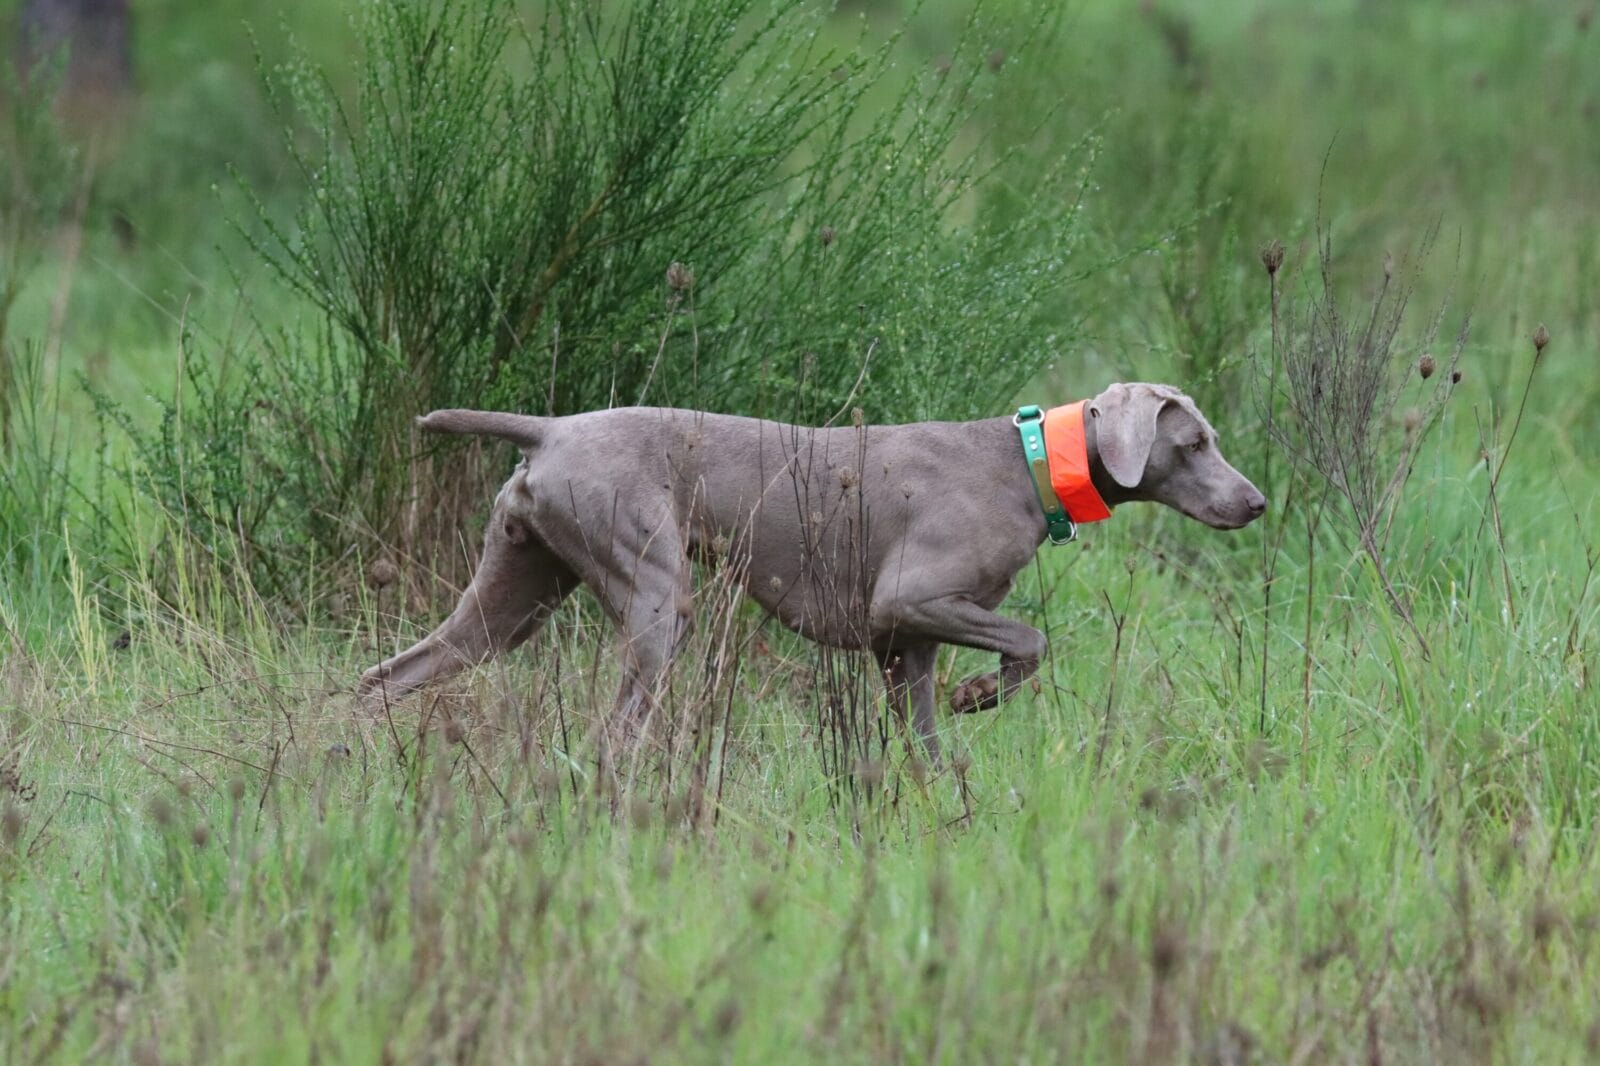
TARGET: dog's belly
(827,608)
(815,581)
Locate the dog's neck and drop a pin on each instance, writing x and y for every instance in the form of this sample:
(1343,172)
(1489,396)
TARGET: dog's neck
(1106,485)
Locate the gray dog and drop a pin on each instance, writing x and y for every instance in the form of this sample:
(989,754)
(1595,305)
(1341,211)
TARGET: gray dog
(893,539)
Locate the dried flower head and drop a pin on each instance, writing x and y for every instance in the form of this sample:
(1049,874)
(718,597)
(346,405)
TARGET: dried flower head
(200,835)
(1455,377)
(1166,950)
(382,573)
(1544,920)
(1388,265)
(162,811)
(826,236)
(11,825)
(679,277)
(1272,256)
(1412,419)
(1426,366)
(727,1018)
(1541,337)
(858,417)
(236,789)
(761,898)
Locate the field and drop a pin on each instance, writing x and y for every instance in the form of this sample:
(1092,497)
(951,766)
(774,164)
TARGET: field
(1325,789)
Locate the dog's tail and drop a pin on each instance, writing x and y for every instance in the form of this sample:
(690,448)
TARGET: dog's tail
(525,431)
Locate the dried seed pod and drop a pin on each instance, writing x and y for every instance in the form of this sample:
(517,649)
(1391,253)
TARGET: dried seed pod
(11,825)
(382,573)
(1166,950)
(1541,337)
(826,236)
(761,899)
(162,811)
(1272,256)
(1426,366)
(727,1018)
(679,277)
(1455,377)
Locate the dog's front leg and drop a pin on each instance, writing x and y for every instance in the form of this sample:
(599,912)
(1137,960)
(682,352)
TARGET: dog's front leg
(955,619)
(650,602)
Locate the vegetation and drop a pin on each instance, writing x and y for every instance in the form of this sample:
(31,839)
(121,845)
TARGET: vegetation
(1324,790)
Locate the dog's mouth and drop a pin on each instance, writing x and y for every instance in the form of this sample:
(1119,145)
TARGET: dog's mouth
(1232,518)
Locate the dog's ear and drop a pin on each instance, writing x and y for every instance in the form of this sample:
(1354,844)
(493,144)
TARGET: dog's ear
(1125,425)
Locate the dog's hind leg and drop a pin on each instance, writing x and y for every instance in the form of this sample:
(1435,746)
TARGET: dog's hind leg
(908,677)
(519,582)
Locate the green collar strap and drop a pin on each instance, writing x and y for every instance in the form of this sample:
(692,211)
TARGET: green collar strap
(1029,421)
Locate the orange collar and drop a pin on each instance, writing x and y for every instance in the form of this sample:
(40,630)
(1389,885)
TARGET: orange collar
(1068,454)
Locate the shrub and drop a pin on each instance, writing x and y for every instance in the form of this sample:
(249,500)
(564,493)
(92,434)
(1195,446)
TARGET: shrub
(701,204)
(1340,379)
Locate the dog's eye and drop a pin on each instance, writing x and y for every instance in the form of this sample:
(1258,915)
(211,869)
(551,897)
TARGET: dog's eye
(1198,446)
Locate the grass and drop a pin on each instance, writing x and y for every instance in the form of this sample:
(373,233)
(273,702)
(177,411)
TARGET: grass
(212,855)
(1285,835)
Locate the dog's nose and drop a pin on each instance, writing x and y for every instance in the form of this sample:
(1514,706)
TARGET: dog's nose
(1256,502)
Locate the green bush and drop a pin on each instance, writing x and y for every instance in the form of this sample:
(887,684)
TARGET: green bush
(702,204)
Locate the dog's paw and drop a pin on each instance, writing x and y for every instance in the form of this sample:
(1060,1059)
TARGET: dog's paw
(976,694)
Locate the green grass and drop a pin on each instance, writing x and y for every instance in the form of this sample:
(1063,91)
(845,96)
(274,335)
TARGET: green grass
(1419,866)
(209,853)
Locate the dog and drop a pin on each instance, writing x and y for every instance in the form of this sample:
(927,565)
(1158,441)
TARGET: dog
(892,539)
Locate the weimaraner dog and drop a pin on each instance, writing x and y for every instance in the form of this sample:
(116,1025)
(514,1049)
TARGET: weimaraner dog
(893,539)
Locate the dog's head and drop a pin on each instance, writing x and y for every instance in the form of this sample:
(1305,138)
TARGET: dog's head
(1156,445)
